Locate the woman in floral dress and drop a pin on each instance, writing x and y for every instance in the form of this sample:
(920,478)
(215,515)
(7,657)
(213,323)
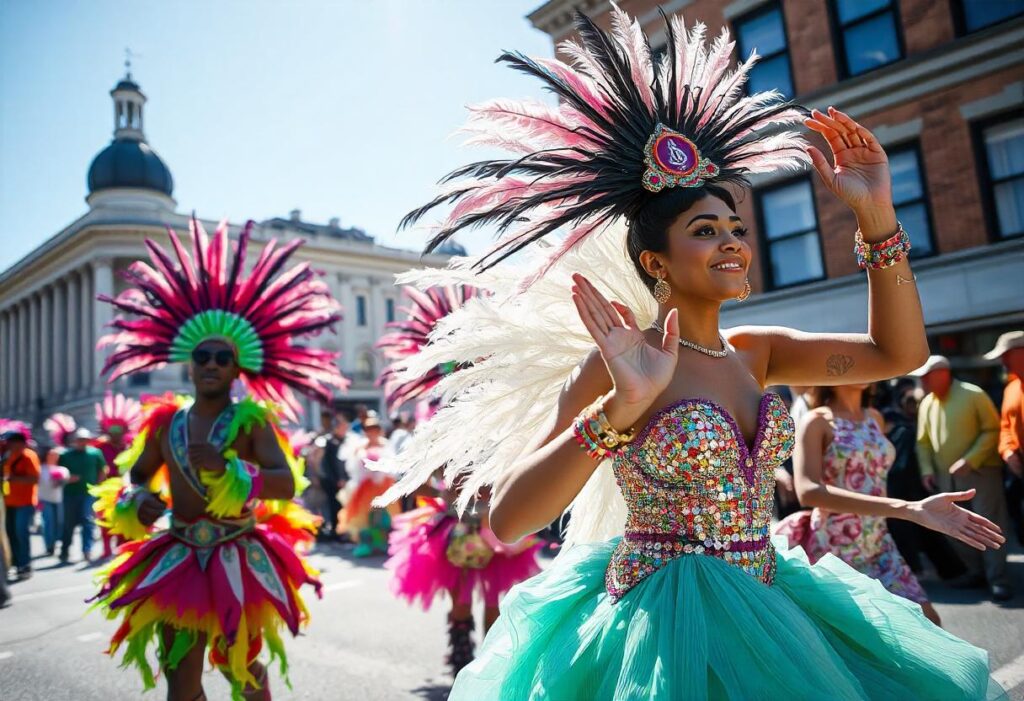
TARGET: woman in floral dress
(842,445)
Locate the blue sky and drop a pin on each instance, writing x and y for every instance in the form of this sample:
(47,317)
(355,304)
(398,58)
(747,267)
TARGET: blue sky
(342,108)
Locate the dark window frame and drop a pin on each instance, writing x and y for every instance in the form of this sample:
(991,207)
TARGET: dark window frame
(361,305)
(838,30)
(960,20)
(764,243)
(389,310)
(915,146)
(762,58)
(983,172)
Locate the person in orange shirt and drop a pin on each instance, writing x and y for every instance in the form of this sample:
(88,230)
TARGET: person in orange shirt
(21,472)
(1010,350)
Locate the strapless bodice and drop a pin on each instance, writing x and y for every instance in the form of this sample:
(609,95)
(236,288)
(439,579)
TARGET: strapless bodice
(692,485)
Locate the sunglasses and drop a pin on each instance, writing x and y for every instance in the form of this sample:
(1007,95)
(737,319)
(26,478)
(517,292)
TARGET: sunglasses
(223,358)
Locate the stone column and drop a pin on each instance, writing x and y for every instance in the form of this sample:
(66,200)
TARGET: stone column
(46,345)
(102,284)
(58,358)
(85,340)
(5,361)
(24,384)
(347,326)
(71,340)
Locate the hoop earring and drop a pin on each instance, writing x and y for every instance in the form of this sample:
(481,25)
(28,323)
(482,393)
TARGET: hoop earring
(746,291)
(662,291)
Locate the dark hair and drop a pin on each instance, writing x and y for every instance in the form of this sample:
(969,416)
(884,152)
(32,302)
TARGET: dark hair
(648,230)
(821,396)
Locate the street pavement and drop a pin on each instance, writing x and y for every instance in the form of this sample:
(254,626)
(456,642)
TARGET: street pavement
(362,644)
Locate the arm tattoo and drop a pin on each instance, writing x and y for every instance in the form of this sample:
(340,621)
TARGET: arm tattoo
(838,365)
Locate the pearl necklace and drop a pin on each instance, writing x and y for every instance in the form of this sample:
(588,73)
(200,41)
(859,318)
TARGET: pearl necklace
(697,347)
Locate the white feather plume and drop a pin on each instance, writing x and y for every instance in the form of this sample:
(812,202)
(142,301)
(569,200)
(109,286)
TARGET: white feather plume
(520,348)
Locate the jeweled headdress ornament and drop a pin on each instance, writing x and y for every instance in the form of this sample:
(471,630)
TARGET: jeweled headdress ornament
(180,304)
(627,126)
(408,337)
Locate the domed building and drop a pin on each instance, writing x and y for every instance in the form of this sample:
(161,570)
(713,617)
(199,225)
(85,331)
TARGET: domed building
(50,320)
(129,162)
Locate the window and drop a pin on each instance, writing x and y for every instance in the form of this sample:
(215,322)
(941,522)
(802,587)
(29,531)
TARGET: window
(792,250)
(364,366)
(1002,160)
(139,379)
(389,305)
(972,15)
(911,199)
(867,35)
(361,310)
(764,30)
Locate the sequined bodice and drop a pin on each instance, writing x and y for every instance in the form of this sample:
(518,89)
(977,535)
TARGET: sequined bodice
(691,485)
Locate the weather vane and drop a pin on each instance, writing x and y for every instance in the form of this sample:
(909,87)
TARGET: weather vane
(128,55)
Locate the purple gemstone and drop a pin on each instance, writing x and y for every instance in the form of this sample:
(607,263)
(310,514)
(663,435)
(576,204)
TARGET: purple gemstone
(675,154)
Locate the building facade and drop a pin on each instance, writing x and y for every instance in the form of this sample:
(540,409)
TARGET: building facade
(941,85)
(50,320)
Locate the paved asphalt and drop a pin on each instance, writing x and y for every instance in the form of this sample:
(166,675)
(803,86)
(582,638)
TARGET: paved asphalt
(362,645)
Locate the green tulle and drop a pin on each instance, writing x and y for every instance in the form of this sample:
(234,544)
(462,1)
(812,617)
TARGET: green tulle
(699,628)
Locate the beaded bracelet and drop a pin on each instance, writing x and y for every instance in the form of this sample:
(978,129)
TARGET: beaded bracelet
(595,434)
(587,441)
(884,253)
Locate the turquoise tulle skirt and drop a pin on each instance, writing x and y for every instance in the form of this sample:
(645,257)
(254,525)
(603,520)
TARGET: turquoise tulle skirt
(699,628)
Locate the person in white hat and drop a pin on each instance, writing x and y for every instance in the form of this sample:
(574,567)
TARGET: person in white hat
(1010,350)
(957,434)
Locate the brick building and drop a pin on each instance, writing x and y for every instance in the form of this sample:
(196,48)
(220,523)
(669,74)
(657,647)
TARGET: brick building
(941,84)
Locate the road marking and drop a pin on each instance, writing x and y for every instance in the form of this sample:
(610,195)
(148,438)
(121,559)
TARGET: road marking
(89,637)
(54,592)
(5,655)
(347,584)
(1010,674)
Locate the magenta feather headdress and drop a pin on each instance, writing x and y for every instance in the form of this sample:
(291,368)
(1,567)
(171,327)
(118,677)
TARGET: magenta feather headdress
(628,125)
(181,303)
(409,336)
(119,414)
(15,426)
(60,426)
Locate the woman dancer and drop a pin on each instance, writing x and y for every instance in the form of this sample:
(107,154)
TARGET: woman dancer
(693,601)
(433,550)
(840,466)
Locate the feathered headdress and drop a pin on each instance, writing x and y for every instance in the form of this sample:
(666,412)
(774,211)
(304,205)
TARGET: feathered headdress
(15,426)
(406,338)
(628,125)
(119,414)
(195,298)
(59,426)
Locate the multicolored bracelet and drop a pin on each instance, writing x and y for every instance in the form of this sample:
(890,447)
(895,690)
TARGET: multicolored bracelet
(595,434)
(884,253)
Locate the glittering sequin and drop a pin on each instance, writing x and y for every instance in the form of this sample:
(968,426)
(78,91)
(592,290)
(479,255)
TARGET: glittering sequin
(692,487)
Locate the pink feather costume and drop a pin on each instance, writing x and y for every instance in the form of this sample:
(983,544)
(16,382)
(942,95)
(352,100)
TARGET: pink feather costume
(423,539)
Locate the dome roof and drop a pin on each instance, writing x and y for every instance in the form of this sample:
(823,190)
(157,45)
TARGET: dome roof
(129,163)
(127,83)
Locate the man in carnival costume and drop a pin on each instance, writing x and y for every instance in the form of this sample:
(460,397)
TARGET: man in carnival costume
(603,382)
(225,574)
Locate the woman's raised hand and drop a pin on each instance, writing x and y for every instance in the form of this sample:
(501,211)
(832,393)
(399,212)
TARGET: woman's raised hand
(640,370)
(940,513)
(860,177)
